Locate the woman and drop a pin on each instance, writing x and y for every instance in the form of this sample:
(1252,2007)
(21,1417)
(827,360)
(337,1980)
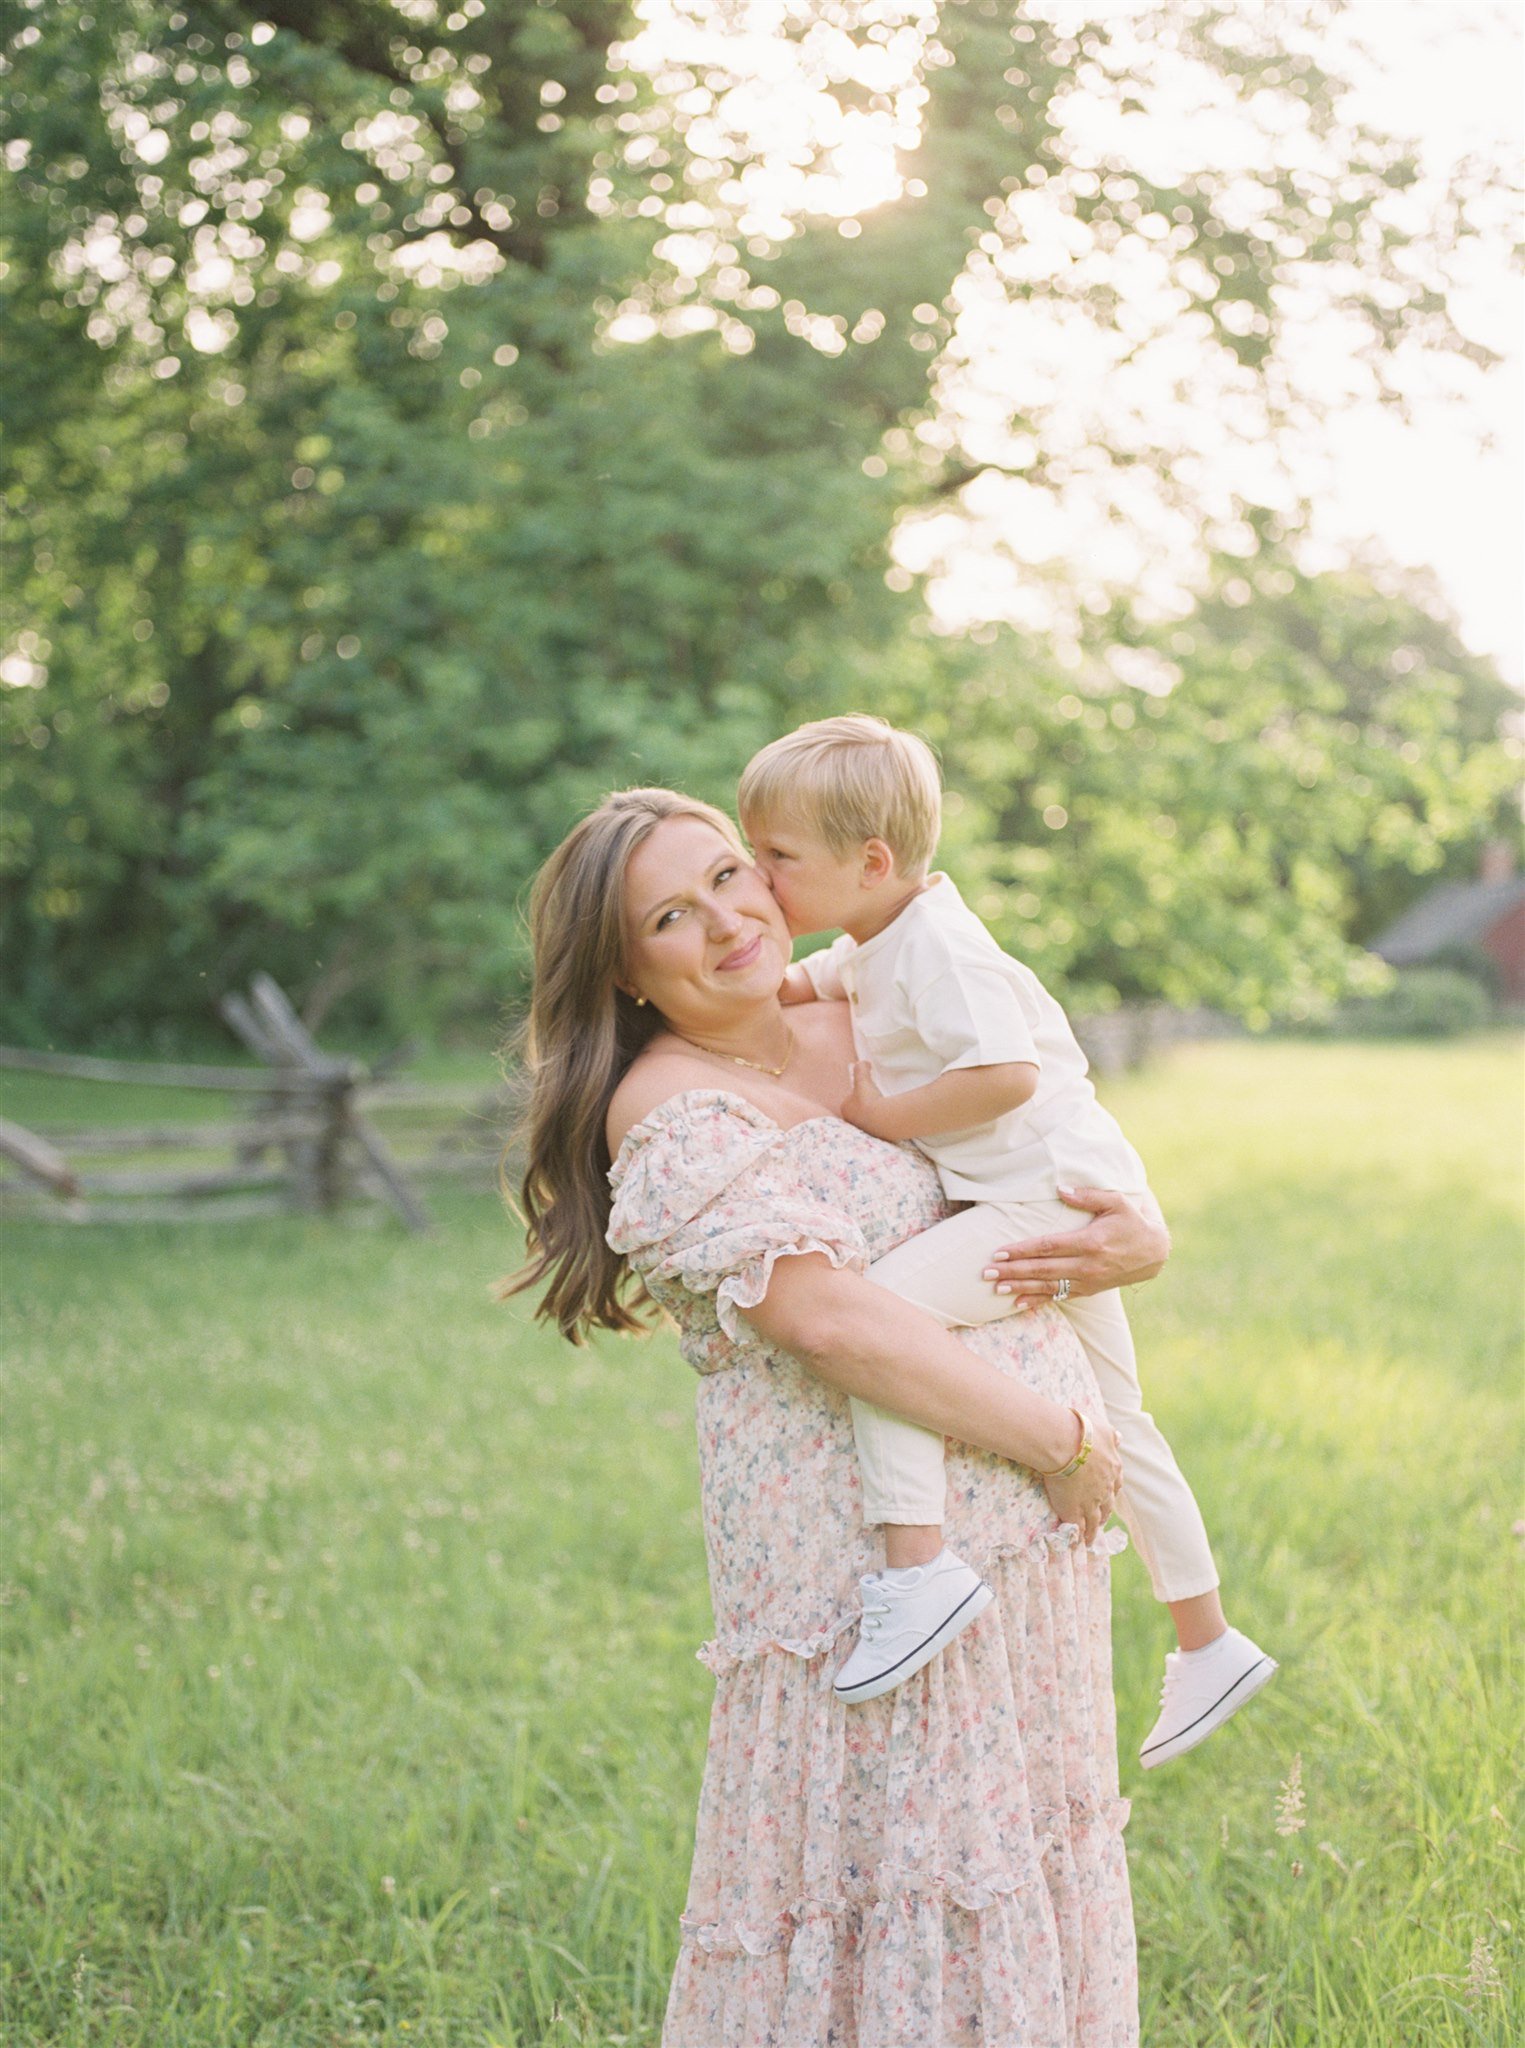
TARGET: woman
(943,1864)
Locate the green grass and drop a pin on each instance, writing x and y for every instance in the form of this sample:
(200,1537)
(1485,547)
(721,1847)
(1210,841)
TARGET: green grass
(346,1619)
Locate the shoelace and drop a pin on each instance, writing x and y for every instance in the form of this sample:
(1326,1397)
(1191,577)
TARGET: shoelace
(870,1619)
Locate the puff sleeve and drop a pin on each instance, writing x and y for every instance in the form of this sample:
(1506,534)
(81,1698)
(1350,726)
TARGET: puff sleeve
(709,1194)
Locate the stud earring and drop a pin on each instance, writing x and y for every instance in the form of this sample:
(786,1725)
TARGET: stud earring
(640,1002)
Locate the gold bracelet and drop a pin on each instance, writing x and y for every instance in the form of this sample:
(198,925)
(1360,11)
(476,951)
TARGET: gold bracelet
(1084,1452)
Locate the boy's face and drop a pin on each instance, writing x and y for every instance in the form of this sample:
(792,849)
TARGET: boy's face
(816,889)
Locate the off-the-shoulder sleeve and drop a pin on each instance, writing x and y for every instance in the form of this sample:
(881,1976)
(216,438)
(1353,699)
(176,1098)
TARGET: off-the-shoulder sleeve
(708,1196)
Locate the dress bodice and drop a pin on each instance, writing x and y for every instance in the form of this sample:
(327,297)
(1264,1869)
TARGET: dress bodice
(709,1192)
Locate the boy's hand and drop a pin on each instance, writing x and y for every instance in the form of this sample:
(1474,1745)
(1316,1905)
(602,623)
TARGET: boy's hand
(861,1106)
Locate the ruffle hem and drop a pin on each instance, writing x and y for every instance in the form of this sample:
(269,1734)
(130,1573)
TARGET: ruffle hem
(939,1867)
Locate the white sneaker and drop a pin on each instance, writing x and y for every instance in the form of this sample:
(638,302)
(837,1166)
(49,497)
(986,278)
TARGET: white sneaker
(1201,1691)
(906,1621)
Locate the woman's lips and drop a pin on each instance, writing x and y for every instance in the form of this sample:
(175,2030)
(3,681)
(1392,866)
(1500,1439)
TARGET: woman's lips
(743,956)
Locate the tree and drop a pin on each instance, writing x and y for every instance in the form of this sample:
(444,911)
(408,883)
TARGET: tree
(363,542)
(1208,816)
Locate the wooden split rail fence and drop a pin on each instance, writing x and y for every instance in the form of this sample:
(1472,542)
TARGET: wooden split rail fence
(307,1132)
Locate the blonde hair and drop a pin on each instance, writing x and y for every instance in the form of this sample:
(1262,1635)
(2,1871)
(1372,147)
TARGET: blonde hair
(582,1034)
(850,779)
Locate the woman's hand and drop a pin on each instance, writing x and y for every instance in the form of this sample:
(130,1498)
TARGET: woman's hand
(1126,1241)
(1088,1496)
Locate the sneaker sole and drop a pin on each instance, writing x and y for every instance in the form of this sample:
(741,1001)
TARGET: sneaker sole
(1244,1688)
(886,1681)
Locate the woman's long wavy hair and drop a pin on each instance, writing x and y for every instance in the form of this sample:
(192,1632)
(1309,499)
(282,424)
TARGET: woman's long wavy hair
(582,1033)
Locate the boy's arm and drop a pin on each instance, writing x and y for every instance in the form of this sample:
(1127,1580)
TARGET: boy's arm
(953,1102)
(819,974)
(969,1017)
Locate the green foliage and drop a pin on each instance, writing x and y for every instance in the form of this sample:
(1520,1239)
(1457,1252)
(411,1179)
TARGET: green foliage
(359,1704)
(1272,772)
(1476,964)
(350,618)
(1422,1002)
(354,554)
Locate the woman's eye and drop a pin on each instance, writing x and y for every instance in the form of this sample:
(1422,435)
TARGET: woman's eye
(725,874)
(666,914)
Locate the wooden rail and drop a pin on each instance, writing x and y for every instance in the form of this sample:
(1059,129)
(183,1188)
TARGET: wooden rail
(300,1139)
(153,1073)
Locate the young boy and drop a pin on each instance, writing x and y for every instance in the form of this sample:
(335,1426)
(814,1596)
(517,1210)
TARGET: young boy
(963,1050)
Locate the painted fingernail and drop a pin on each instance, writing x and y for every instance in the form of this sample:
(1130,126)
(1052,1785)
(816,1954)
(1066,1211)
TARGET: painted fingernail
(1004,1288)
(991,1273)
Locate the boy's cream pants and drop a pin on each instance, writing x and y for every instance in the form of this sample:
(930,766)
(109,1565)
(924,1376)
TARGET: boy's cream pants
(902,1464)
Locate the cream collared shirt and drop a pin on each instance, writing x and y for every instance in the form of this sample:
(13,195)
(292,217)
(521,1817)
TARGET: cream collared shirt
(933,992)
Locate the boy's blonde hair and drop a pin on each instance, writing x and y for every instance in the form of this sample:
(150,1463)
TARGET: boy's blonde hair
(849,780)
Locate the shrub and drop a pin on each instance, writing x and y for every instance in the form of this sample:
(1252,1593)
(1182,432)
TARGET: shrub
(1423,1002)
(1477,964)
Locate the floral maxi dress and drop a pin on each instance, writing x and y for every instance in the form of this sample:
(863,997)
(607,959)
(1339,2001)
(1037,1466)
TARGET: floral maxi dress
(943,1865)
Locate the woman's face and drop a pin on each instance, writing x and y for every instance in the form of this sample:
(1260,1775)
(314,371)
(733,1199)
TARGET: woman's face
(703,935)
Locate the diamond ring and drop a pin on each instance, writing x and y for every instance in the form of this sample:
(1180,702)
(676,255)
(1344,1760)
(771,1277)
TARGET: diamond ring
(1062,1291)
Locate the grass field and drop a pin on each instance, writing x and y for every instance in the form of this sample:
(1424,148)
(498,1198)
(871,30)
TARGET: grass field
(346,1620)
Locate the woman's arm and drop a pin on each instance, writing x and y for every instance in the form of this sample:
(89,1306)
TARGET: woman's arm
(1125,1242)
(868,1342)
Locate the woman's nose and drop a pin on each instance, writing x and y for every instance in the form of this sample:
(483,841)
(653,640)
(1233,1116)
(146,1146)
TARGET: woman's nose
(723,921)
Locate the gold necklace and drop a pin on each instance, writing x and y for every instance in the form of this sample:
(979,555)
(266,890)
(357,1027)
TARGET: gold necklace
(736,1059)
